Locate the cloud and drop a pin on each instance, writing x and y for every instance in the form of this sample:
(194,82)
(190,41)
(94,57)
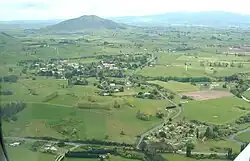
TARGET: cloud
(64,9)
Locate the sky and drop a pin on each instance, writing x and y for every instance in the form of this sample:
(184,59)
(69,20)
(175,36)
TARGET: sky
(65,9)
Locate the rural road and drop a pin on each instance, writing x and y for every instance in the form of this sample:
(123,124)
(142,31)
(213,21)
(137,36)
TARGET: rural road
(244,98)
(232,137)
(33,140)
(160,125)
(204,153)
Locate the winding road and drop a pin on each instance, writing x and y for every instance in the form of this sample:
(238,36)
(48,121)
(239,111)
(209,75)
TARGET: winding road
(157,127)
(232,137)
(244,98)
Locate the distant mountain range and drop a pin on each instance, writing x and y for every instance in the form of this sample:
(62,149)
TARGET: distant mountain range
(85,22)
(26,24)
(212,19)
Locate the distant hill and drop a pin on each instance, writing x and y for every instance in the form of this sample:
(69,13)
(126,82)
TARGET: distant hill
(85,22)
(9,43)
(26,24)
(7,39)
(213,19)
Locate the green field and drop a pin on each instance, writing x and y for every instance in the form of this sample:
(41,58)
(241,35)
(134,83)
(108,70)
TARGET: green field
(217,111)
(247,94)
(177,86)
(218,146)
(172,157)
(244,137)
(22,153)
(40,119)
(173,71)
(112,158)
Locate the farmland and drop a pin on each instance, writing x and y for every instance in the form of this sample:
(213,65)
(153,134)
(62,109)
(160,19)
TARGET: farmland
(141,92)
(218,111)
(244,137)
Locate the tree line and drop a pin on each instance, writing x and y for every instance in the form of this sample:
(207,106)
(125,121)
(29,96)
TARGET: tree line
(9,110)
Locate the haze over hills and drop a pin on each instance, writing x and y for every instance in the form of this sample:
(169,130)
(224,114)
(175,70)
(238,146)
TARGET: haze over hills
(85,22)
(211,18)
(26,24)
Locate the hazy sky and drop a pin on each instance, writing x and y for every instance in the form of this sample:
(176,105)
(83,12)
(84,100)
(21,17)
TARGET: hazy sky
(63,9)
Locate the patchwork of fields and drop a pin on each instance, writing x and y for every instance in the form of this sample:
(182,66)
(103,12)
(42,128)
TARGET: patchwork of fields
(159,88)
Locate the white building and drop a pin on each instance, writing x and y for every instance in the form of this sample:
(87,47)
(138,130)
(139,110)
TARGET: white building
(15,144)
(244,155)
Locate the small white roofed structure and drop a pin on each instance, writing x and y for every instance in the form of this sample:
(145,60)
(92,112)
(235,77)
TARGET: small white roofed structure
(244,155)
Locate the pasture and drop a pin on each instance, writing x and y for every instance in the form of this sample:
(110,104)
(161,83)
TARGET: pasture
(247,94)
(206,95)
(216,111)
(174,157)
(172,70)
(176,86)
(244,137)
(23,153)
(45,119)
(112,158)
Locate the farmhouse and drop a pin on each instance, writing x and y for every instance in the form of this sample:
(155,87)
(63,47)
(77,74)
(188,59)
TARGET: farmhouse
(15,144)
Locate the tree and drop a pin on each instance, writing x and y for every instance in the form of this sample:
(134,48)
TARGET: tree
(229,153)
(197,133)
(24,70)
(116,104)
(159,114)
(209,133)
(122,132)
(10,69)
(189,148)
(121,89)
(243,146)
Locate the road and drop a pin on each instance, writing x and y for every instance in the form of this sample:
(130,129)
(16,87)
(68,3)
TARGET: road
(232,137)
(49,141)
(204,153)
(157,127)
(244,98)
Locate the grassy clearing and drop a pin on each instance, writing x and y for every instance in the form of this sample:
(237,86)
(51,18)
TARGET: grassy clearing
(244,137)
(219,146)
(217,111)
(174,71)
(177,86)
(247,94)
(22,153)
(174,157)
(112,158)
(51,120)
(22,89)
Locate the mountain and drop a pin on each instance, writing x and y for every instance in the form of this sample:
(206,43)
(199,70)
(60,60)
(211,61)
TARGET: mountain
(9,43)
(85,22)
(212,18)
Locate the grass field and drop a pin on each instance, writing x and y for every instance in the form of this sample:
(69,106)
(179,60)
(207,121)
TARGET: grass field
(22,153)
(244,137)
(247,94)
(174,71)
(40,119)
(219,146)
(217,111)
(174,157)
(112,158)
(176,86)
